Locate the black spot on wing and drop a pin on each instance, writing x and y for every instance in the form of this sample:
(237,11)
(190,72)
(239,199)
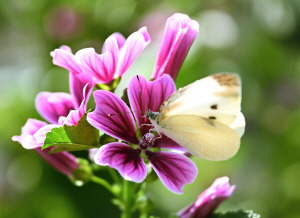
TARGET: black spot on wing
(209,121)
(214,107)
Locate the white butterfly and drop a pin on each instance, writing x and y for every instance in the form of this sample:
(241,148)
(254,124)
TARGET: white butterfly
(204,117)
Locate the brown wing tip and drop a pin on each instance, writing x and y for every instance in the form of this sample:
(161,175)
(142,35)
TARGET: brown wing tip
(227,79)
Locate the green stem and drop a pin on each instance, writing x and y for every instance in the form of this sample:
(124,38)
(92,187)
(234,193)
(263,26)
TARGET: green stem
(102,182)
(144,209)
(144,214)
(126,213)
(114,175)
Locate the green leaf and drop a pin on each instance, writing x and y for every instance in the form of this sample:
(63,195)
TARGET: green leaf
(83,136)
(83,133)
(111,86)
(236,214)
(56,136)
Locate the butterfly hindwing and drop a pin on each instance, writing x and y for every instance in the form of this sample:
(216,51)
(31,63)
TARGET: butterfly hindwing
(201,136)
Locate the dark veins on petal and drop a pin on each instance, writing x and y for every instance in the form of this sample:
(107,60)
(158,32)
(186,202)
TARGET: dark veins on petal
(162,163)
(131,155)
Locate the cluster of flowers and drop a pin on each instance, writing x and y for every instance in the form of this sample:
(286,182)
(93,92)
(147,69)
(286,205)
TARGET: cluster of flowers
(135,147)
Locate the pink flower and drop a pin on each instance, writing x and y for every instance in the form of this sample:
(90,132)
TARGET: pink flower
(209,200)
(59,109)
(179,34)
(55,106)
(113,117)
(117,56)
(64,58)
(33,136)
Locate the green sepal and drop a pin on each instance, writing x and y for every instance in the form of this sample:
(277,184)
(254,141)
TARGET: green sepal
(125,97)
(110,86)
(83,174)
(91,110)
(236,214)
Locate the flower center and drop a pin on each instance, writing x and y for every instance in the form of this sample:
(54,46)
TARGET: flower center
(147,141)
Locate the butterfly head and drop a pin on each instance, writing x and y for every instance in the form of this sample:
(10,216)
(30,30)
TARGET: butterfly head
(151,115)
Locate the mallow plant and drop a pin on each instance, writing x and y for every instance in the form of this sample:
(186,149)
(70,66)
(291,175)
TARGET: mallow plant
(116,133)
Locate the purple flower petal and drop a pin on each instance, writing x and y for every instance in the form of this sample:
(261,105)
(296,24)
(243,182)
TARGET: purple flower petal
(179,34)
(109,44)
(101,67)
(63,162)
(75,115)
(66,48)
(33,133)
(53,105)
(148,95)
(113,117)
(33,136)
(123,158)
(132,48)
(40,135)
(174,170)
(165,142)
(209,200)
(64,58)
(77,84)
(28,130)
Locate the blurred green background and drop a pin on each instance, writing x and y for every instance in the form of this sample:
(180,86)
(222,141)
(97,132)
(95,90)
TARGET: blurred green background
(260,40)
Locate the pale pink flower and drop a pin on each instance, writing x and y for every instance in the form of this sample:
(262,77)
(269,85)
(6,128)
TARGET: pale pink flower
(117,56)
(33,136)
(179,33)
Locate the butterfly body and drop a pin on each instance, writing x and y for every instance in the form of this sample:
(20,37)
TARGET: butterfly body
(204,117)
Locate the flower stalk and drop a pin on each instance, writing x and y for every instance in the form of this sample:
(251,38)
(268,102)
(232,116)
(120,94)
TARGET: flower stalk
(127,199)
(103,183)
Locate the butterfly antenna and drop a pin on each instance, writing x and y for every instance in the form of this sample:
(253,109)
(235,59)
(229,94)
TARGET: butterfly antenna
(114,114)
(142,97)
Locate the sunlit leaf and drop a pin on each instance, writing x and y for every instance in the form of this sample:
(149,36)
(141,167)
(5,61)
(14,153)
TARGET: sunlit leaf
(83,136)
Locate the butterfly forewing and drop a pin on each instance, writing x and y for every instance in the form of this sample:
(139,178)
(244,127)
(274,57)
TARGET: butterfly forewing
(216,97)
(201,136)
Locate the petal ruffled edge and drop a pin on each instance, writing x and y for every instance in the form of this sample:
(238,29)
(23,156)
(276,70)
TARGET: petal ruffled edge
(100,66)
(64,58)
(131,49)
